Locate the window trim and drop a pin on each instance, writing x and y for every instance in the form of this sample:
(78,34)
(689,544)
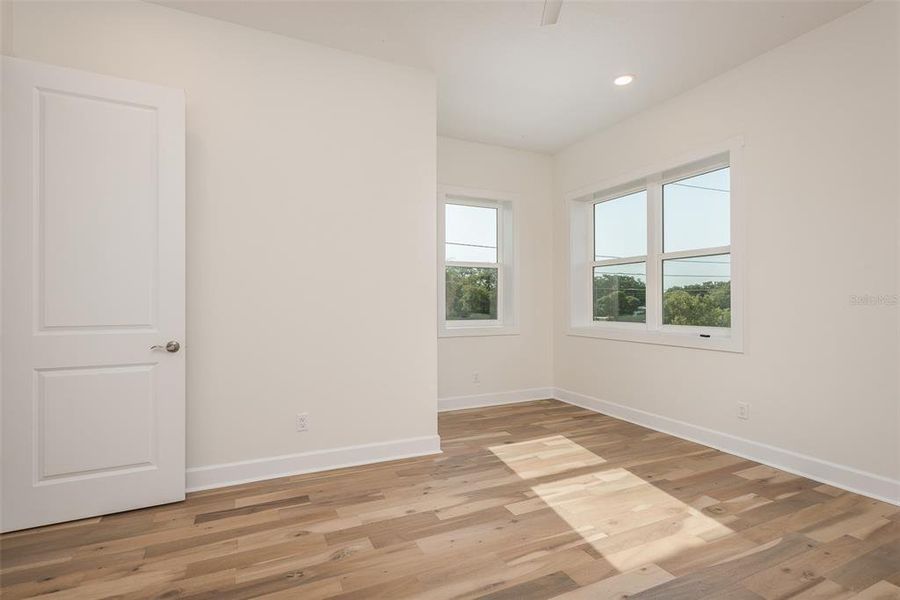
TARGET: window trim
(579,319)
(506,265)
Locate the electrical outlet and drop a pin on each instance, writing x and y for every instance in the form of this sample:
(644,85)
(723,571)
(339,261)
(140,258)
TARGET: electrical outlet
(476,377)
(743,411)
(302,421)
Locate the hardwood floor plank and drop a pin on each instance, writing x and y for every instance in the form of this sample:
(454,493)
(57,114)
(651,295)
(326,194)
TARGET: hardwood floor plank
(249,509)
(881,590)
(823,590)
(622,585)
(536,589)
(717,578)
(868,569)
(805,570)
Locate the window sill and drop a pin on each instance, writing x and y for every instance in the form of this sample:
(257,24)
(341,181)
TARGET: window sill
(662,338)
(477,331)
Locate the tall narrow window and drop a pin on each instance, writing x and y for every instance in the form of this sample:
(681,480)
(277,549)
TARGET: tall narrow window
(620,259)
(476,275)
(472,268)
(696,259)
(658,265)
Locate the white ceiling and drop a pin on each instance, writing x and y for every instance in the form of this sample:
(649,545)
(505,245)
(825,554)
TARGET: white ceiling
(503,79)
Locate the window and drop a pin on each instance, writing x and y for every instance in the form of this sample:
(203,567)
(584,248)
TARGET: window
(476,254)
(472,268)
(620,293)
(620,259)
(696,259)
(652,257)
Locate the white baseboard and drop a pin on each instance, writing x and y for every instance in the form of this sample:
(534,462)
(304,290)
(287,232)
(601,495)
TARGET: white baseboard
(841,476)
(215,476)
(495,399)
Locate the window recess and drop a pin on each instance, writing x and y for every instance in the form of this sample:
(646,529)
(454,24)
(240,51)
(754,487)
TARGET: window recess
(654,258)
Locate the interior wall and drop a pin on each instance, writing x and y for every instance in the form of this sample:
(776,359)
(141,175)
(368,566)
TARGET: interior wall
(6,28)
(310,185)
(506,363)
(819,117)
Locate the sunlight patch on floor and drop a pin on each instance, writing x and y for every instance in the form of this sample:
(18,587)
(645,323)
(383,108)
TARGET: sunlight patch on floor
(631,522)
(545,456)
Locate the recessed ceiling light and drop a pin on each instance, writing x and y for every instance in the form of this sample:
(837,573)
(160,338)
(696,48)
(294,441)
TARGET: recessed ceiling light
(623,79)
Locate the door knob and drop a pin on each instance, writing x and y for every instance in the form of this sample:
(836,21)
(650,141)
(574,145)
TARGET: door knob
(171,346)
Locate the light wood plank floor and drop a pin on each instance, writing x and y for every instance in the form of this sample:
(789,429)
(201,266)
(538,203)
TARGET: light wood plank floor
(530,501)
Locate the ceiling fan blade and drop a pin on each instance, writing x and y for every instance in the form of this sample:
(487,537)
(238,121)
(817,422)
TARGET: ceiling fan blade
(551,12)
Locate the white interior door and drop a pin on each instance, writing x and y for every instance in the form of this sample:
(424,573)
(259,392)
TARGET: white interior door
(93,276)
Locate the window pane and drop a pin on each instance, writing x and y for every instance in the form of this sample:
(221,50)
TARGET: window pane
(471,233)
(697,291)
(620,227)
(697,212)
(620,293)
(471,293)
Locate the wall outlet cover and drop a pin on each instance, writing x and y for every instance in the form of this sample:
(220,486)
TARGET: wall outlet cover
(302,421)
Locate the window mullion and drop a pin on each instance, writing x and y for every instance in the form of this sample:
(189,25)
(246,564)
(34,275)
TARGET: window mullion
(498,236)
(699,252)
(654,251)
(628,260)
(473,265)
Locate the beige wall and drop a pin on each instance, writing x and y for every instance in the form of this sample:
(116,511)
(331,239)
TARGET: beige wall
(6,28)
(819,117)
(506,363)
(311,178)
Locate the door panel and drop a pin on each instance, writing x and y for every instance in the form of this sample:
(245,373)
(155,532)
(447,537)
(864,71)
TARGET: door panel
(93,276)
(97,190)
(69,402)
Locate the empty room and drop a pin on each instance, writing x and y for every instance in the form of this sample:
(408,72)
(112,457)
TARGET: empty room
(484,299)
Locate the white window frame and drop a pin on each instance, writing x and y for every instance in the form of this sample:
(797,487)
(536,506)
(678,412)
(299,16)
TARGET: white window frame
(580,204)
(507,280)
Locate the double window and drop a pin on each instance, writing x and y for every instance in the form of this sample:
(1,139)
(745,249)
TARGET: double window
(658,262)
(476,256)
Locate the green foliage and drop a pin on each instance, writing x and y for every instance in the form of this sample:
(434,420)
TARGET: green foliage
(471,293)
(705,304)
(619,298)
(624,298)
